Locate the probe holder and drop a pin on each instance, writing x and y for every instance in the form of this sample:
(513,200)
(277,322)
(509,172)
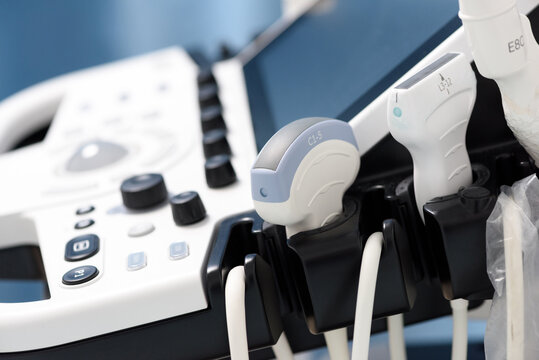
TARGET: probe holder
(451,244)
(331,258)
(456,228)
(236,243)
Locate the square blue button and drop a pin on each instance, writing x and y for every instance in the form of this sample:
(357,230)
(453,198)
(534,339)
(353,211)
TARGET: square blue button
(136,261)
(178,250)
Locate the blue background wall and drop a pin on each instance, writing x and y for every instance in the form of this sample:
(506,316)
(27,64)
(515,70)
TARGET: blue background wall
(41,39)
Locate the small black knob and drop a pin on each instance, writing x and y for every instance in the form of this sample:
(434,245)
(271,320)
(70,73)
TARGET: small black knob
(219,171)
(187,208)
(215,143)
(205,77)
(475,198)
(143,191)
(208,96)
(212,118)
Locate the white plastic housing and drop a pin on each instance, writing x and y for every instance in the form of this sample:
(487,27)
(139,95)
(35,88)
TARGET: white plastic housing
(319,183)
(149,106)
(496,26)
(430,119)
(505,50)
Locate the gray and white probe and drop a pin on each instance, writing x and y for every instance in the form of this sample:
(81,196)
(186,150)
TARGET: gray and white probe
(299,180)
(301,174)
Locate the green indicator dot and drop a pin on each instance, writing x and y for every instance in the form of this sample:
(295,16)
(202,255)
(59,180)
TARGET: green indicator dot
(397,111)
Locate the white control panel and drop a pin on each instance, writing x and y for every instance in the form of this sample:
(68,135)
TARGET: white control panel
(110,266)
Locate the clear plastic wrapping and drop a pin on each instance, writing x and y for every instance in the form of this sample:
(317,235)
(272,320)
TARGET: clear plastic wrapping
(515,216)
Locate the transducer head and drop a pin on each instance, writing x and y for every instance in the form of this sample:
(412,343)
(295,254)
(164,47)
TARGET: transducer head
(301,174)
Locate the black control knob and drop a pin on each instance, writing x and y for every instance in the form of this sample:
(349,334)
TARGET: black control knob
(219,171)
(208,96)
(143,191)
(212,118)
(215,143)
(187,208)
(475,198)
(205,77)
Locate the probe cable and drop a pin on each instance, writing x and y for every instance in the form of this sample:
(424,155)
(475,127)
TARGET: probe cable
(236,323)
(365,302)
(337,343)
(237,328)
(365,296)
(459,348)
(512,240)
(395,331)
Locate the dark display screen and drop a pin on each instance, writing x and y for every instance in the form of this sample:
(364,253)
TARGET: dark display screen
(22,275)
(333,63)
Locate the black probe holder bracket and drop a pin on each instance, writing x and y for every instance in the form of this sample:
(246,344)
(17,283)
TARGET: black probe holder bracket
(330,260)
(236,243)
(315,273)
(452,242)
(456,228)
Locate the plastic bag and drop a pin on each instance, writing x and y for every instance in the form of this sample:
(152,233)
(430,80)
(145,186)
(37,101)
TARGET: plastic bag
(522,202)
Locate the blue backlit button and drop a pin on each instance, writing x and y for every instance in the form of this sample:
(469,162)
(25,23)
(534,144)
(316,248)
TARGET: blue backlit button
(136,261)
(178,250)
(82,247)
(80,275)
(397,111)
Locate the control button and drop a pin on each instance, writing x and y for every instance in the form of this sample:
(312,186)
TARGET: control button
(214,143)
(143,191)
(208,96)
(212,118)
(219,171)
(140,229)
(187,208)
(95,155)
(178,250)
(85,210)
(136,261)
(83,224)
(82,247)
(205,77)
(80,275)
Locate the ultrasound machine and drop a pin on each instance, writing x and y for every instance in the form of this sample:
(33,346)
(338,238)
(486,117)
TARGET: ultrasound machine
(136,203)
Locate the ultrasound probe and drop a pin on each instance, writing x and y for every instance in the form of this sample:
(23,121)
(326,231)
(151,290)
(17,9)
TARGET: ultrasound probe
(428,113)
(301,174)
(505,50)
(299,179)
